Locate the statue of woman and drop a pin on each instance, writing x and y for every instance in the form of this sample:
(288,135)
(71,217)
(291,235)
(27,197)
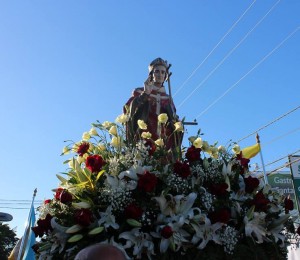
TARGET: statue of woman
(150,101)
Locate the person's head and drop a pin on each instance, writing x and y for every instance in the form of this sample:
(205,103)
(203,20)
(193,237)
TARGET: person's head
(158,71)
(100,252)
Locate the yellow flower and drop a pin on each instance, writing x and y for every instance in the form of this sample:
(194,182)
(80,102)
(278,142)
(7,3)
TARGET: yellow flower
(80,159)
(66,150)
(214,152)
(102,147)
(86,136)
(93,131)
(146,135)
(71,164)
(122,119)
(116,141)
(205,146)
(75,147)
(142,125)
(198,142)
(221,149)
(113,130)
(162,118)
(178,127)
(106,124)
(159,142)
(236,149)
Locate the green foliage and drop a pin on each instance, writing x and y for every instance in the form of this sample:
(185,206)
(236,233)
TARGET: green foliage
(8,240)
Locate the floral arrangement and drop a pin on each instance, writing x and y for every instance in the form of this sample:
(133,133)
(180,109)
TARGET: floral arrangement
(199,203)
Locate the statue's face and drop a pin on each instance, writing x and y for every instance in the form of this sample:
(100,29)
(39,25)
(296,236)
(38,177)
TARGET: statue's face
(159,74)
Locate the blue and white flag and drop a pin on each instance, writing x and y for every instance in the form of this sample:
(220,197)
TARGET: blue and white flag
(28,239)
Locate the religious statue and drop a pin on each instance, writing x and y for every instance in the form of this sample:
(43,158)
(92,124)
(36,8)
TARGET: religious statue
(148,102)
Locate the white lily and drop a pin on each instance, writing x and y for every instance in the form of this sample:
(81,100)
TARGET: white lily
(133,171)
(255,227)
(205,233)
(177,205)
(108,219)
(140,241)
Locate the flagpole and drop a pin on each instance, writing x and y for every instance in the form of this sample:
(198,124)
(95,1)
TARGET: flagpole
(20,253)
(262,160)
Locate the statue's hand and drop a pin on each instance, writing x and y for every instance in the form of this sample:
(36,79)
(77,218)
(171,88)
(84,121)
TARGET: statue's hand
(148,86)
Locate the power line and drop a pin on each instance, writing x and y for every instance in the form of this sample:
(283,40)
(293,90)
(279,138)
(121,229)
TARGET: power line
(229,53)
(283,166)
(29,201)
(277,160)
(272,122)
(245,75)
(214,48)
(281,136)
(14,208)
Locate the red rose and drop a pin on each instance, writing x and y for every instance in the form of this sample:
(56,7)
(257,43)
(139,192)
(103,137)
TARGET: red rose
(222,215)
(251,184)
(94,163)
(166,232)
(147,182)
(63,196)
(182,169)
(288,205)
(193,154)
(150,147)
(219,189)
(83,217)
(244,161)
(58,192)
(83,148)
(260,202)
(47,201)
(133,211)
(43,226)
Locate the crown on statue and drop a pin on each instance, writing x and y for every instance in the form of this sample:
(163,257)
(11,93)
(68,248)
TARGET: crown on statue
(157,62)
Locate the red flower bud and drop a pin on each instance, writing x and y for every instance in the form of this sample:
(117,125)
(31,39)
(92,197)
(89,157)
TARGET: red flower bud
(47,201)
(251,184)
(166,232)
(147,182)
(95,163)
(83,217)
(288,205)
(63,196)
(193,154)
(83,148)
(182,169)
(133,211)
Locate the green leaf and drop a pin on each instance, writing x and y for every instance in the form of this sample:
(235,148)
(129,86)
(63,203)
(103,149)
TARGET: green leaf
(133,222)
(250,212)
(99,175)
(62,179)
(96,231)
(75,238)
(74,229)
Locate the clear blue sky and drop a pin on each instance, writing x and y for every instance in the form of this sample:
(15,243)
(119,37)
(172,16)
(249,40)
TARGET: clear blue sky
(66,64)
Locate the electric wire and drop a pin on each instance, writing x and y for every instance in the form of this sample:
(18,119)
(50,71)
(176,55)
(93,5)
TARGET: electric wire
(215,47)
(283,166)
(229,53)
(14,208)
(272,122)
(245,75)
(277,160)
(281,136)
